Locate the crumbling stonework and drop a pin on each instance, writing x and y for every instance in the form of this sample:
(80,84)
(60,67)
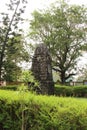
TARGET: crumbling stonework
(42,69)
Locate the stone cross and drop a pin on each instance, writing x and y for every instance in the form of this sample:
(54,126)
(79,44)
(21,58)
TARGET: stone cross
(42,69)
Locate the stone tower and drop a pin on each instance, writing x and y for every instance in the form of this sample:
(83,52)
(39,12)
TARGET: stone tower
(42,69)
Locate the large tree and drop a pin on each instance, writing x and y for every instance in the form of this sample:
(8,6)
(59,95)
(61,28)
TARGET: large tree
(11,43)
(63,28)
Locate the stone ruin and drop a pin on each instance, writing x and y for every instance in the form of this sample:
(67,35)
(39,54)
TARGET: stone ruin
(42,69)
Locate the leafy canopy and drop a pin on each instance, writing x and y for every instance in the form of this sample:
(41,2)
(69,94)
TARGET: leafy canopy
(62,27)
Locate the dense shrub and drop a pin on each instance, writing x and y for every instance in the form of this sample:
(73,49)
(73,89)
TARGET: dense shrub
(63,90)
(31,112)
(9,87)
(76,91)
(80,91)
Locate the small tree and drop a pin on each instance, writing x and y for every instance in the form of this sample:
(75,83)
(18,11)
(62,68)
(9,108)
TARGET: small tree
(28,78)
(9,28)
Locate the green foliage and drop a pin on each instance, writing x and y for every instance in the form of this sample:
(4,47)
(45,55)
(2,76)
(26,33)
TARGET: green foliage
(28,77)
(15,54)
(59,90)
(12,45)
(22,88)
(12,71)
(41,112)
(76,91)
(9,87)
(80,91)
(62,27)
(83,74)
(63,90)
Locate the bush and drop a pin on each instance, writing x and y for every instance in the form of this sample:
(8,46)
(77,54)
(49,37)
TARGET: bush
(76,91)
(9,87)
(63,90)
(31,112)
(80,91)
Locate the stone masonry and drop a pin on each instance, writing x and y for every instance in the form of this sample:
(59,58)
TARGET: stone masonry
(42,69)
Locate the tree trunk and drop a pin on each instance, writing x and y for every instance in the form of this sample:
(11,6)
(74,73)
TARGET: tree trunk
(62,77)
(0,71)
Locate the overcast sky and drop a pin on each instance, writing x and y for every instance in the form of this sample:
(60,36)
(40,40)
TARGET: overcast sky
(38,4)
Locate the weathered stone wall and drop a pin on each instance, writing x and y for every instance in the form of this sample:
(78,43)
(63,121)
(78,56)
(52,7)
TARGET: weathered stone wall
(42,69)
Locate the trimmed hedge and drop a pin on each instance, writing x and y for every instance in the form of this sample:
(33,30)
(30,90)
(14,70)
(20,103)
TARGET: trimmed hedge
(76,91)
(9,87)
(25,111)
